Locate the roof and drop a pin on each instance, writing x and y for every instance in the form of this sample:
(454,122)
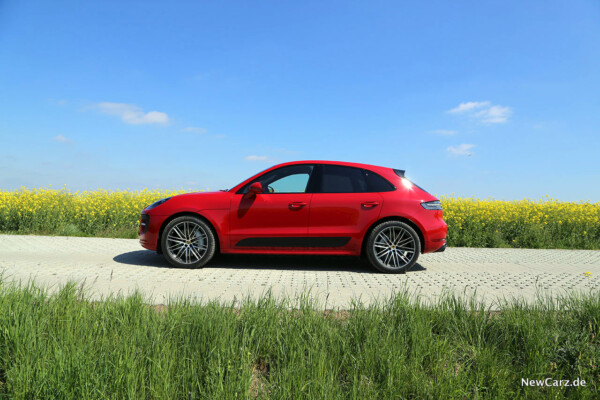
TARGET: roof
(345,163)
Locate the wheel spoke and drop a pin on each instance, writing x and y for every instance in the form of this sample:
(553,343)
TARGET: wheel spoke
(178,232)
(383,252)
(176,246)
(180,251)
(400,237)
(397,261)
(195,253)
(404,258)
(385,238)
(387,258)
(405,241)
(176,240)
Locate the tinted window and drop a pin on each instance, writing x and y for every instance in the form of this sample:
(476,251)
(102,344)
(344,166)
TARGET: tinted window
(376,183)
(338,179)
(291,179)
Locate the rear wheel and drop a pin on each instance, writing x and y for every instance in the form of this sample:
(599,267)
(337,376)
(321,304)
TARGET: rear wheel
(188,242)
(393,247)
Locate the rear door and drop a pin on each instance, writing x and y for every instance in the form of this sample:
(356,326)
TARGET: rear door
(342,208)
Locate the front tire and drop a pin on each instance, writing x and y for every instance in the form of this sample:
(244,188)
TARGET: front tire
(188,242)
(393,247)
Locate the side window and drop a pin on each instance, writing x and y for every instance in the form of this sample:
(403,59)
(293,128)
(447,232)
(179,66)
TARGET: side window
(376,183)
(339,179)
(290,179)
(295,183)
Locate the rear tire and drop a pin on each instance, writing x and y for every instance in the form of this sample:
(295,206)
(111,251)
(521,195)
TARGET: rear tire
(393,247)
(188,242)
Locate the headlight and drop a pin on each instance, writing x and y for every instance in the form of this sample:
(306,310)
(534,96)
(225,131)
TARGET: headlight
(432,205)
(156,204)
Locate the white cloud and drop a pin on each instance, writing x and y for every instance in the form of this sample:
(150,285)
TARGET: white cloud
(444,132)
(132,114)
(194,129)
(468,106)
(484,111)
(495,114)
(61,139)
(256,158)
(461,150)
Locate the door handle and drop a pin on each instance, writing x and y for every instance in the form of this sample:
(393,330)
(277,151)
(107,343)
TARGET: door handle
(370,204)
(297,204)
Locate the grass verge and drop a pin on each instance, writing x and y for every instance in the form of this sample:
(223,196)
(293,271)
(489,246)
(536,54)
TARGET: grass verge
(64,346)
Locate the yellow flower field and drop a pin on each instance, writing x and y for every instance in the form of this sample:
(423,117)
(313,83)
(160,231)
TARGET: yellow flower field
(545,223)
(96,213)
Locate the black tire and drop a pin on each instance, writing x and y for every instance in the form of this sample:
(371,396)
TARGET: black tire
(393,247)
(188,242)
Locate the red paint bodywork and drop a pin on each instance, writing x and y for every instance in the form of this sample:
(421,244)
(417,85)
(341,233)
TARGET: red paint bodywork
(235,217)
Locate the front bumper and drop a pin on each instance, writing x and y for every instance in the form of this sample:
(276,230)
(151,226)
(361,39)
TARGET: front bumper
(149,229)
(441,249)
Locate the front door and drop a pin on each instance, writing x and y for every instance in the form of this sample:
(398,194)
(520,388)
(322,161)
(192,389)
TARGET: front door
(275,219)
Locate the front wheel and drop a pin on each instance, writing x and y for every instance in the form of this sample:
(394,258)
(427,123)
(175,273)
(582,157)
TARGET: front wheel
(188,242)
(393,247)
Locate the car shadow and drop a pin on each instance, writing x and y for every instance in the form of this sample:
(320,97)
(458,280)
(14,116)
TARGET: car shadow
(150,258)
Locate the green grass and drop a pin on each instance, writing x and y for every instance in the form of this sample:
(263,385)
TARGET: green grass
(63,346)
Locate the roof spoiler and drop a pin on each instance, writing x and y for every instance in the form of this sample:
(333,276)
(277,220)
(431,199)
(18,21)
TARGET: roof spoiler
(400,172)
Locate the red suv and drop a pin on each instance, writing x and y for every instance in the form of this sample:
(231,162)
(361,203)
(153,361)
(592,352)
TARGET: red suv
(302,207)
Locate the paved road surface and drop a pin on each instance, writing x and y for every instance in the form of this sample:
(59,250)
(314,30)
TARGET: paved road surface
(121,265)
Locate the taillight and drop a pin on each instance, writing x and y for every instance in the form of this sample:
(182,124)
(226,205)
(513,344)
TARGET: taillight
(432,205)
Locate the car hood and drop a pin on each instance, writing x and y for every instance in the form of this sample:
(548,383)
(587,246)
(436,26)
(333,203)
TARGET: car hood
(201,200)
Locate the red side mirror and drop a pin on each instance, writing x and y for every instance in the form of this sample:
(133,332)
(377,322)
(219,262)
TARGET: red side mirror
(255,188)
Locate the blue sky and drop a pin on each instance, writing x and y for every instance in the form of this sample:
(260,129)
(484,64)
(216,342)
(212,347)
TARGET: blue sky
(488,99)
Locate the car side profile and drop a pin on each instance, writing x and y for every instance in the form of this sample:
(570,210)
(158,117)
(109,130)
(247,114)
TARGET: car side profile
(302,207)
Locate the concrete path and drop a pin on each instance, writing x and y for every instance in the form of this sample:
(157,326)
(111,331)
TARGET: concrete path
(111,266)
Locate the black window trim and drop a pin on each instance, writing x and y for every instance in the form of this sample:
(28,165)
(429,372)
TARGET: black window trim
(316,182)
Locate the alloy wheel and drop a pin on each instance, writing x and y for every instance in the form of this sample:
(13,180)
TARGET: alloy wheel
(394,247)
(187,242)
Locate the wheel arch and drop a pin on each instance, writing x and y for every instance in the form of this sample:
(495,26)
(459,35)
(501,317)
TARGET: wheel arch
(192,214)
(392,218)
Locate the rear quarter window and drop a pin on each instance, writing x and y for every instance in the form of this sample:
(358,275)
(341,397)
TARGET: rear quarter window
(377,183)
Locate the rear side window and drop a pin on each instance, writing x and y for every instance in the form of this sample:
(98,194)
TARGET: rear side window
(339,179)
(376,183)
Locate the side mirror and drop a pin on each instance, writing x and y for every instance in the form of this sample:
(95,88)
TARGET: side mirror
(255,188)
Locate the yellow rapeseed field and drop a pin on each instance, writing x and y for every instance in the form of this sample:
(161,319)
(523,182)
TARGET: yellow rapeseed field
(545,223)
(97,213)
